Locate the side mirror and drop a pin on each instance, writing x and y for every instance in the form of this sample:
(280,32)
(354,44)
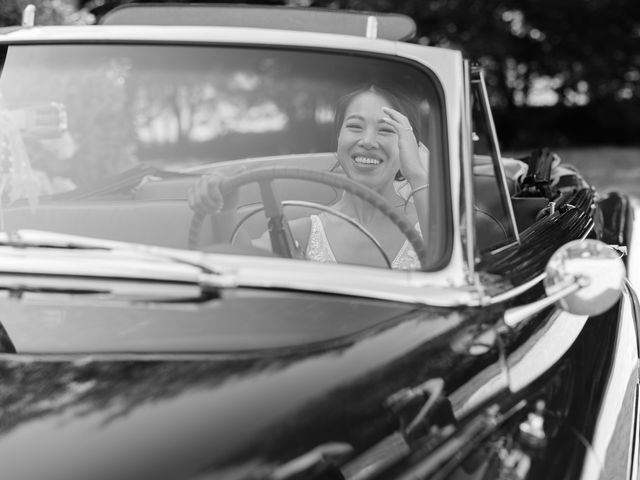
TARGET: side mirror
(583,277)
(598,270)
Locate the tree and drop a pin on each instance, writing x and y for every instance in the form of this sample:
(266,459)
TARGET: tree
(583,50)
(48,12)
(569,52)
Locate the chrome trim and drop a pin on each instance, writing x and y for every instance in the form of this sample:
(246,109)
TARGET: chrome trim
(514,292)
(29,16)
(375,283)
(80,358)
(589,229)
(200,34)
(635,302)
(132,290)
(468,236)
(495,146)
(634,450)
(621,380)
(516,315)
(449,72)
(543,349)
(106,259)
(372,27)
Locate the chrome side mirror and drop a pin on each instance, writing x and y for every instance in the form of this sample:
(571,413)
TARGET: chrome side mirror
(583,277)
(598,270)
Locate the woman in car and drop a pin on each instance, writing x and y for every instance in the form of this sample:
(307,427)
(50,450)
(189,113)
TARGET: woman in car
(376,146)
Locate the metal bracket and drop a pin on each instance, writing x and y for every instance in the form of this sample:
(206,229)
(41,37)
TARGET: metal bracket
(514,316)
(29,16)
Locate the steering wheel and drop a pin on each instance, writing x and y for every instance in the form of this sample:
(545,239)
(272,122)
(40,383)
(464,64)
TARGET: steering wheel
(282,240)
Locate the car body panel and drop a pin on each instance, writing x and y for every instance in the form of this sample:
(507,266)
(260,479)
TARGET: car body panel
(125,360)
(258,398)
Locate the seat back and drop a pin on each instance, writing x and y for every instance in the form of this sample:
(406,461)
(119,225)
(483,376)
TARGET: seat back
(493,225)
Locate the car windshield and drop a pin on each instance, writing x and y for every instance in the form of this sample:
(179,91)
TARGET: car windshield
(108,141)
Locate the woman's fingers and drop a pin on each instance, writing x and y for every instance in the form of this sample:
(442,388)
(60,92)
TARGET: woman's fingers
(400,123)
(397,118)
(395,115)
(414,156)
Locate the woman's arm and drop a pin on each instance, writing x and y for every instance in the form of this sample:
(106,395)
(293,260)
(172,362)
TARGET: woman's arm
(414,164)
(205,197)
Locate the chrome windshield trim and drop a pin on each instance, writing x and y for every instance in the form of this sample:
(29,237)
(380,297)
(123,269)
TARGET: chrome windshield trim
(139,264)
(467,173)
(478,78)
(413,287)
(445,65)
(195,34)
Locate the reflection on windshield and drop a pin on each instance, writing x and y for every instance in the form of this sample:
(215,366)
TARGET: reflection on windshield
(74,117)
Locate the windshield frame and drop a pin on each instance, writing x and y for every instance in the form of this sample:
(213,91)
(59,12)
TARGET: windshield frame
(446,249)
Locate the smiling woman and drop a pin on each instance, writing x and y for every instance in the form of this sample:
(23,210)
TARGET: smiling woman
(376,145)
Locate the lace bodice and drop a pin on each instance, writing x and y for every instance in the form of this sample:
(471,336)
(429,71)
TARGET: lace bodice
(319,249)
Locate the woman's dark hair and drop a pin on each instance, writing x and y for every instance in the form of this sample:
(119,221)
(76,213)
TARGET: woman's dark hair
(397,102)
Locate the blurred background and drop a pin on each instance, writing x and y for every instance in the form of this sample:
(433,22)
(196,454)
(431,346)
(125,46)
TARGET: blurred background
(562,74)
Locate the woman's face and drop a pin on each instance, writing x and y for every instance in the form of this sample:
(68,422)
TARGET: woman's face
(367,146)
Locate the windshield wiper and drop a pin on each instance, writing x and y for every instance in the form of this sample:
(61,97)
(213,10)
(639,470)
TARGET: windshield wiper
(63,241)
(46,262)
(121,182)
(46,239)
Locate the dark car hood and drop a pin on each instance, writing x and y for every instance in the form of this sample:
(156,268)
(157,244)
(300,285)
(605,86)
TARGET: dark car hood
(178,417)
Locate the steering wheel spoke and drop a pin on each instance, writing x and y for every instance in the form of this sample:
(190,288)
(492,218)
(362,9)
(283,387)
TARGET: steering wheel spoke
(282,242)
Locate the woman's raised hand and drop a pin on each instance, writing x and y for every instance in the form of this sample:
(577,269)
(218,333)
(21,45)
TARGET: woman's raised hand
(414,156)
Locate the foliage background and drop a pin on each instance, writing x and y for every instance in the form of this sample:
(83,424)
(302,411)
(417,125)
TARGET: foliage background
(563,74)
(560,73)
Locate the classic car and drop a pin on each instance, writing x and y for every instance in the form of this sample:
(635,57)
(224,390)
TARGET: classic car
(141,340)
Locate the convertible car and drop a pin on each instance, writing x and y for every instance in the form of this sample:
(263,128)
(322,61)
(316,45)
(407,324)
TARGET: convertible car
(141,340)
